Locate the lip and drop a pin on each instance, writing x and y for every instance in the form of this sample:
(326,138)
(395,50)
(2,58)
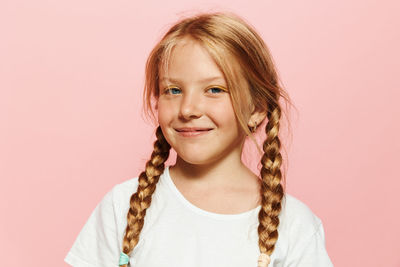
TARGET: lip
(192,129)
(193,132)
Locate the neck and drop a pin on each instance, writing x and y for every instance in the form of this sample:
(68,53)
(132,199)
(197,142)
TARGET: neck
(229,170)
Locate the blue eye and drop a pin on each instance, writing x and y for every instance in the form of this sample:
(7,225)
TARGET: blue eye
(217,89)
(172,89)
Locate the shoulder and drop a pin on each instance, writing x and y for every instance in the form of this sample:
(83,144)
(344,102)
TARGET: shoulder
(114,205)
(101,237)
(122,192)
(295,209)
(302,235)
(126,187)
(297,218)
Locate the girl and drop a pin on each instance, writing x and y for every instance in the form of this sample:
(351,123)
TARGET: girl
(212,82)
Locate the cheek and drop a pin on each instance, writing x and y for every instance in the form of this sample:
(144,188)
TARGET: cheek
(223,113)
(165,112)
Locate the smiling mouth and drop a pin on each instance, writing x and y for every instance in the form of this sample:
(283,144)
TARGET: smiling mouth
(193,133)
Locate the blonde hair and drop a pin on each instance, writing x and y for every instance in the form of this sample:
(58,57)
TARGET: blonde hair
(251,77)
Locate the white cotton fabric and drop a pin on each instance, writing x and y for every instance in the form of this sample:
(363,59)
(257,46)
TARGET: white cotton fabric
(179,234)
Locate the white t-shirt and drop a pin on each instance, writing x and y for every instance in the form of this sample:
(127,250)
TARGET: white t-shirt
(177,233)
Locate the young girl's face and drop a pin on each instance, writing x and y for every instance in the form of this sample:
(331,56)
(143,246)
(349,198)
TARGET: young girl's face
(194,94)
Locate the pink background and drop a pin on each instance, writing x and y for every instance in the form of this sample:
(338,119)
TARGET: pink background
(71,77)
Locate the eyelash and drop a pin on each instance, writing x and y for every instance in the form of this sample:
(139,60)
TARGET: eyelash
(166,91)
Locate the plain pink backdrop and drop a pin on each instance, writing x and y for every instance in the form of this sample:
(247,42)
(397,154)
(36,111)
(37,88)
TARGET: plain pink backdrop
(71,78)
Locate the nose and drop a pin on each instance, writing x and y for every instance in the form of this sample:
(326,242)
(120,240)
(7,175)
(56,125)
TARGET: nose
(191,106)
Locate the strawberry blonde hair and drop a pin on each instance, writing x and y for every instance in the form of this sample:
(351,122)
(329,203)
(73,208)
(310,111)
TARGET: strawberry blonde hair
(251,77)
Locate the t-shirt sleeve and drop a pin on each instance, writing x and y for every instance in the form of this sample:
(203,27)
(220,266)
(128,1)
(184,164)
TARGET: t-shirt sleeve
(97,244)
(311,252)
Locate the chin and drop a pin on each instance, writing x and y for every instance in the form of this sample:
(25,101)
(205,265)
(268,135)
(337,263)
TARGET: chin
(195,159)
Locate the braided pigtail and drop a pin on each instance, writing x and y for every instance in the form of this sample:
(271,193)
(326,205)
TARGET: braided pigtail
(271,188)
(141,200)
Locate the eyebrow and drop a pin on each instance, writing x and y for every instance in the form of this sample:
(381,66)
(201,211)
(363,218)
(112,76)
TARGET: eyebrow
(174,80)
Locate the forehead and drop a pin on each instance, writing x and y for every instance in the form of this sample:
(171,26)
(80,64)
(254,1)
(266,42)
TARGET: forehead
(189,60)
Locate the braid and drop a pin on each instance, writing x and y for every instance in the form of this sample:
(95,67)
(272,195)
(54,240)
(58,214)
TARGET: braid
(141,200)
(271,188)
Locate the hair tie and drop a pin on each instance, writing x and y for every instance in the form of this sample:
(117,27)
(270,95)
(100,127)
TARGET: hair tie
(263,260)
(123,259)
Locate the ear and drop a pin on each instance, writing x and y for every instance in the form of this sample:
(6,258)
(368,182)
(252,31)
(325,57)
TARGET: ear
(256,117)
